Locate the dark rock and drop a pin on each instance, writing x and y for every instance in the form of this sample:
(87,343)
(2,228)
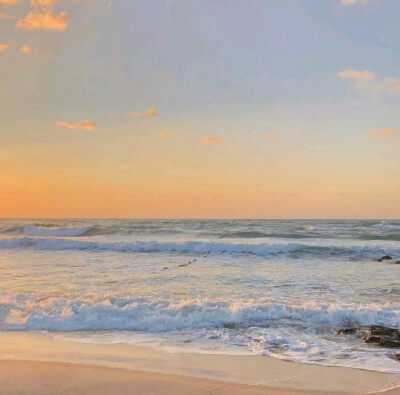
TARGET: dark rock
(372,339)
(392,333)
(375,334)
(396,357)
(347,331)
(396,262)
(229,326)
(386,258)
(378,330)
(389,343)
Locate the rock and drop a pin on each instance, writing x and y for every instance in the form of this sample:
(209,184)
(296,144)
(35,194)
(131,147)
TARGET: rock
(229,325)
(396,357)
(392,333)
(347,331)
(378,330)
(386,258)
(383,336)
(372,339)
(389,343)
(396,262)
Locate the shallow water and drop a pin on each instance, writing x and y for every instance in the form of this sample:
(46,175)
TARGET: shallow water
(277,288)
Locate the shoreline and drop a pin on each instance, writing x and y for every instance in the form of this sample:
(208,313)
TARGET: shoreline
(41,378)
(31,349)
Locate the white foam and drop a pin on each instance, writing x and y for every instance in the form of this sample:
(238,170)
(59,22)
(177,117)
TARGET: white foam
(56,231)
(311,248)
(280,331)
(387,226)
(201,247)
(154,315)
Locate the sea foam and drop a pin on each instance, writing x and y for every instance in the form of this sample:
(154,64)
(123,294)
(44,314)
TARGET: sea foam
(157,315)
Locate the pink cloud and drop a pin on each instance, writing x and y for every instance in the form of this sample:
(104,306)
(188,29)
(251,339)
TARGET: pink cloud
(150,113)
(84,125)
(211,139)
(387,132)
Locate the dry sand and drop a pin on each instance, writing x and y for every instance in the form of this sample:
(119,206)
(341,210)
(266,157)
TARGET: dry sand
(42,378)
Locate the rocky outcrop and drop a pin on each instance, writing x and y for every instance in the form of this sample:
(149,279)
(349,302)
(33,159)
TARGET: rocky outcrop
(384,258)
(382,336)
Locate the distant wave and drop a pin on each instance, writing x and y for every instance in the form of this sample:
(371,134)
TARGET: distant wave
(200,247)
(13,229)
(56,231)
(295,250)
(387,226)
(387,237)
(157,315)
(291,230)
(326,228)
(259,235)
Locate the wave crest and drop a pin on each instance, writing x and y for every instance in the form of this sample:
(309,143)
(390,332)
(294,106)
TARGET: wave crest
(30,230)
(156,315)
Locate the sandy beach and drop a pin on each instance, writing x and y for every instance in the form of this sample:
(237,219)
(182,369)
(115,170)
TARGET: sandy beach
(39,363)
(42,378)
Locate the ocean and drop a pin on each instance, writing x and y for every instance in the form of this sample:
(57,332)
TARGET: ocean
(277,288)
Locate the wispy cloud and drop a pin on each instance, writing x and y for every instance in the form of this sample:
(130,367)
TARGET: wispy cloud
(211,139)
(387,132)
(44,21)
(362,78)
(349,2)
(165,135)
(84,125)
(390,84)
(151,112)
(3,47)
(26,50)
(366,80)
(9,2)
(4,15)
(358,75)
(43,3)
(42,17)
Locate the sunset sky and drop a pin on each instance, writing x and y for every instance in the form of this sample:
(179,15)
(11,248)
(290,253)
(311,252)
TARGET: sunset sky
(200,108)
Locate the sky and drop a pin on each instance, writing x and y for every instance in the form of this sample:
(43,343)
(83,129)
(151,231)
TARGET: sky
(199,109)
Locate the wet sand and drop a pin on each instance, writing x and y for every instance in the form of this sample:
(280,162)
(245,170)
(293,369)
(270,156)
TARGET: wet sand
(35,363)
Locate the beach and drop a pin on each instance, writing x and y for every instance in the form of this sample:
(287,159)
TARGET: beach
(42,363)
(42,378)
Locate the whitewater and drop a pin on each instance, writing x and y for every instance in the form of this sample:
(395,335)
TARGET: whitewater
(281,289)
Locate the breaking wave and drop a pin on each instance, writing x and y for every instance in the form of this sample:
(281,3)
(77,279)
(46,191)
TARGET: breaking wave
(56,231)
(203,247)
(157,315)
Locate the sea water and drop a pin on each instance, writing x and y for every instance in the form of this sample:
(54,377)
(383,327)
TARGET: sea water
(271,287)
